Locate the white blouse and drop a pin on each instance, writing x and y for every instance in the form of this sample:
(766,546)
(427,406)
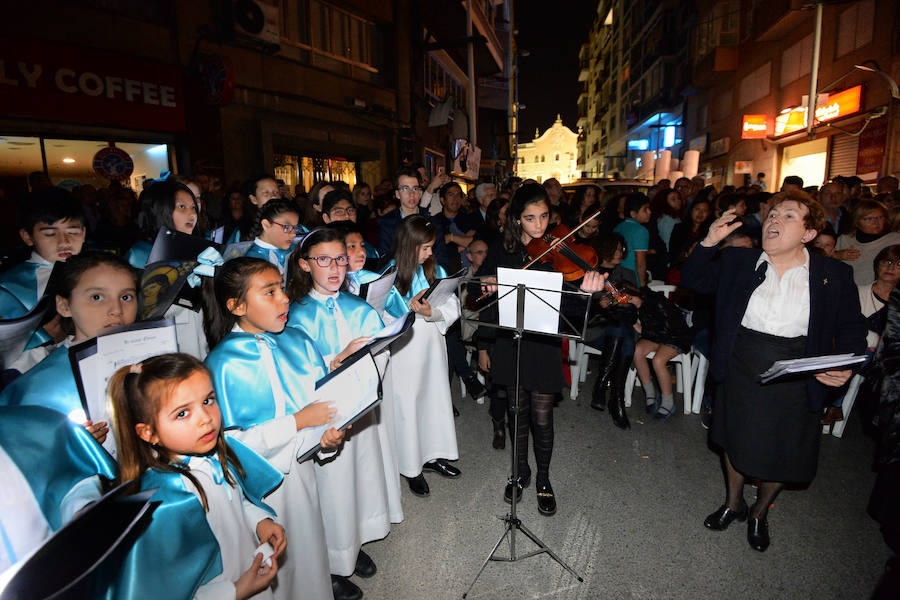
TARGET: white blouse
(780,305)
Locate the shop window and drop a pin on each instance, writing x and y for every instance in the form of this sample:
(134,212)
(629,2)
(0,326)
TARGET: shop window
(308,170)
(19,156)
(795,60)
(855,27)
(756,85)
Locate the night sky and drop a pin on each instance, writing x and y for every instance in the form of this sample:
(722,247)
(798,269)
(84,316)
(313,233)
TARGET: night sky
(548,77)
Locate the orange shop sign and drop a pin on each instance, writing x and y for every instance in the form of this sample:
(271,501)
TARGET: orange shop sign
(756,127)
(837,105)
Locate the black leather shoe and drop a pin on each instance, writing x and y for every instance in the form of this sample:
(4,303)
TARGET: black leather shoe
(616,402)
(344,589)
(546,500)
(418,485)
(442,467)
(499,442)
(365,566)
(758,533)
(722,518)
(521,483)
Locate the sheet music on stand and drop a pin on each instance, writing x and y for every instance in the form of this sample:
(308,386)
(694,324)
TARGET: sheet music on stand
(813,364)
(355,387)
(96,360)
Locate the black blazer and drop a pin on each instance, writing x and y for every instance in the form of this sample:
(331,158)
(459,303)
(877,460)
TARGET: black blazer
(836,324)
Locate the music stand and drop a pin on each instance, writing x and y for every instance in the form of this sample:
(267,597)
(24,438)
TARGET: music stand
(511,520)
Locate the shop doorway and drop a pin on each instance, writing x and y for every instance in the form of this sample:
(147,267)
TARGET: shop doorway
(807,160)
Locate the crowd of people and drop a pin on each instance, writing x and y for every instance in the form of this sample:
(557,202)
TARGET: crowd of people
(218,428)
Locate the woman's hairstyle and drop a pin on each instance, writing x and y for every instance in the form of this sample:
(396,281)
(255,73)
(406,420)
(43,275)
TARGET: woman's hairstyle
(71,271)
(525,195)
(230,281)
(607,245)
(158,204)
(862,209)
(202,216)
(887,253)
(270,211)
(299,282)
(136,395)
(492,214)
(578,198)
(815,215)
(659,204)
(357,190)
(412,232)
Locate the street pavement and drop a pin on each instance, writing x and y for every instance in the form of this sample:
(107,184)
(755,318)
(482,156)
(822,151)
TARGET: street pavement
(630,520)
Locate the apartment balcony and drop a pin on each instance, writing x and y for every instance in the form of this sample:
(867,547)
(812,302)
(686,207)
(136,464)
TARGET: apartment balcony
(775,19)
(446,21)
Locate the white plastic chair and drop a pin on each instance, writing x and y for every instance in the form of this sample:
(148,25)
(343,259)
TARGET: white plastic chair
(837,429)
(699,369)
(579,359)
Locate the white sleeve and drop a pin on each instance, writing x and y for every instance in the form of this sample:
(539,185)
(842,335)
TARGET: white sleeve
(219,590)
(275,440)
(254,514)
(82,493)
(445,315)
(432,202)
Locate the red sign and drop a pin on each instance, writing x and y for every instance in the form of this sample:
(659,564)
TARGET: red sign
(56,82)
(113,163)
(870,157)
(756,127)
(837,105)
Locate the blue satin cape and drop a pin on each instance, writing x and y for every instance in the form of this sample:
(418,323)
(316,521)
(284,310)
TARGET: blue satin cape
(397,304)
(310,316)
(138,254)
(52,453)
(178,552)
(242,384)
(267,254)
(18,295)
(49,383)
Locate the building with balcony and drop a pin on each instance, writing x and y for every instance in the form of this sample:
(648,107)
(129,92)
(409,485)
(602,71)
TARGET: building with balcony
(551,154)
(751,65)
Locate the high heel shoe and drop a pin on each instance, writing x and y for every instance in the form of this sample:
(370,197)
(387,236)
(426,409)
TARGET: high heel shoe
(723,516)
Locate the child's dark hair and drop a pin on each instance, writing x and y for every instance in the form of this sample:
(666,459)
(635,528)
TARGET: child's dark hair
(525,195)
(230,282)
(299,282)
(71,271)
(250,184)
(271,210)
(608,244)
(634,202)
(49,206)
(412,232)
(335,196)
(136,394)
(158,202)
(345,228)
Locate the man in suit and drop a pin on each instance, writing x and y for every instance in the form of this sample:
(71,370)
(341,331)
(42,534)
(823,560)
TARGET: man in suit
(774,303)
(408,191)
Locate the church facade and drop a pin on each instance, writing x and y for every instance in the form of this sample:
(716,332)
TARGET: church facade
(551,154)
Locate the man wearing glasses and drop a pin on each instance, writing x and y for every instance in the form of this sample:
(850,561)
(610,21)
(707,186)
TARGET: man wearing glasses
(338,205)
(408,190)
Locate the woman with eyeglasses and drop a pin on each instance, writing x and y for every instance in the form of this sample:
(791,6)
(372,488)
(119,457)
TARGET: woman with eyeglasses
(869,234)
(276,229)
(338,205)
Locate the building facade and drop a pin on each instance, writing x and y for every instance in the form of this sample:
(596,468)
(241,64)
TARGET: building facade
(551,154)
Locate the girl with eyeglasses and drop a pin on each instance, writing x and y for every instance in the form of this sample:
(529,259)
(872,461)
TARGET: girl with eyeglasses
(277,227)
(868,235)
(420,409)
(339,324)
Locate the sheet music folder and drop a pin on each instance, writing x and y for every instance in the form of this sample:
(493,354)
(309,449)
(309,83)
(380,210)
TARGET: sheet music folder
(355,386)
(813,364)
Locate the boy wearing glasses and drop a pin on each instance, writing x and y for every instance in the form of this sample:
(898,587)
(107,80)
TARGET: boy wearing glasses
(338,205)
(408,191)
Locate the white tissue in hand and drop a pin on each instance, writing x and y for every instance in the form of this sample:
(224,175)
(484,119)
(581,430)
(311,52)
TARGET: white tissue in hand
(267,551)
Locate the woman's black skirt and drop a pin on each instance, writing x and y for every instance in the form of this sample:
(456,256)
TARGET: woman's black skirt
(767,430)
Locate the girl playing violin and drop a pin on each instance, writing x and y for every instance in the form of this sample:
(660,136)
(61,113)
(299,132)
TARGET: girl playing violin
(540,372)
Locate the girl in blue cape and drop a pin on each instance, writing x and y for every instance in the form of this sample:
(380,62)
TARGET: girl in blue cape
(265,377)
(51,468)
(276,228)
(357,254)
(421,409)
(203,537)
(172,205)
(340,323)
(97,291)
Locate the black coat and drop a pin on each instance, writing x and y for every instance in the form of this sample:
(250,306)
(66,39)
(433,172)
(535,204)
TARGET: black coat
(836,324)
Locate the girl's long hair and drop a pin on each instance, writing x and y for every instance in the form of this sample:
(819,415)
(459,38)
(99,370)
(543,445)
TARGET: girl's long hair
(230,281)
(299,282)
(526,194)
(412,232)
(136,398)
(157,206)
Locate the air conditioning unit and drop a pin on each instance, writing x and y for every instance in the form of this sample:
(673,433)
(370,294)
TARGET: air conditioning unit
(258,19)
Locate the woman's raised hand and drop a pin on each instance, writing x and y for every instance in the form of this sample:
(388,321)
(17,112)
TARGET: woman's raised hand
(721,227)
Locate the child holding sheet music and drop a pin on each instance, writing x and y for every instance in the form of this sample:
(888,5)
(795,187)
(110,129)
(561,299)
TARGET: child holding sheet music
(168,204)
(264,375)
(276,228)
(202,540)
(340,323)
(420,407)
(96,292)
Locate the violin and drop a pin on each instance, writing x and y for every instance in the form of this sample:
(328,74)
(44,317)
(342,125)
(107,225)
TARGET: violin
(572,260)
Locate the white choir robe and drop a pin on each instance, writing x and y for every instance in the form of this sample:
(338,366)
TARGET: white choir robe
(246,379)
(419,408)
